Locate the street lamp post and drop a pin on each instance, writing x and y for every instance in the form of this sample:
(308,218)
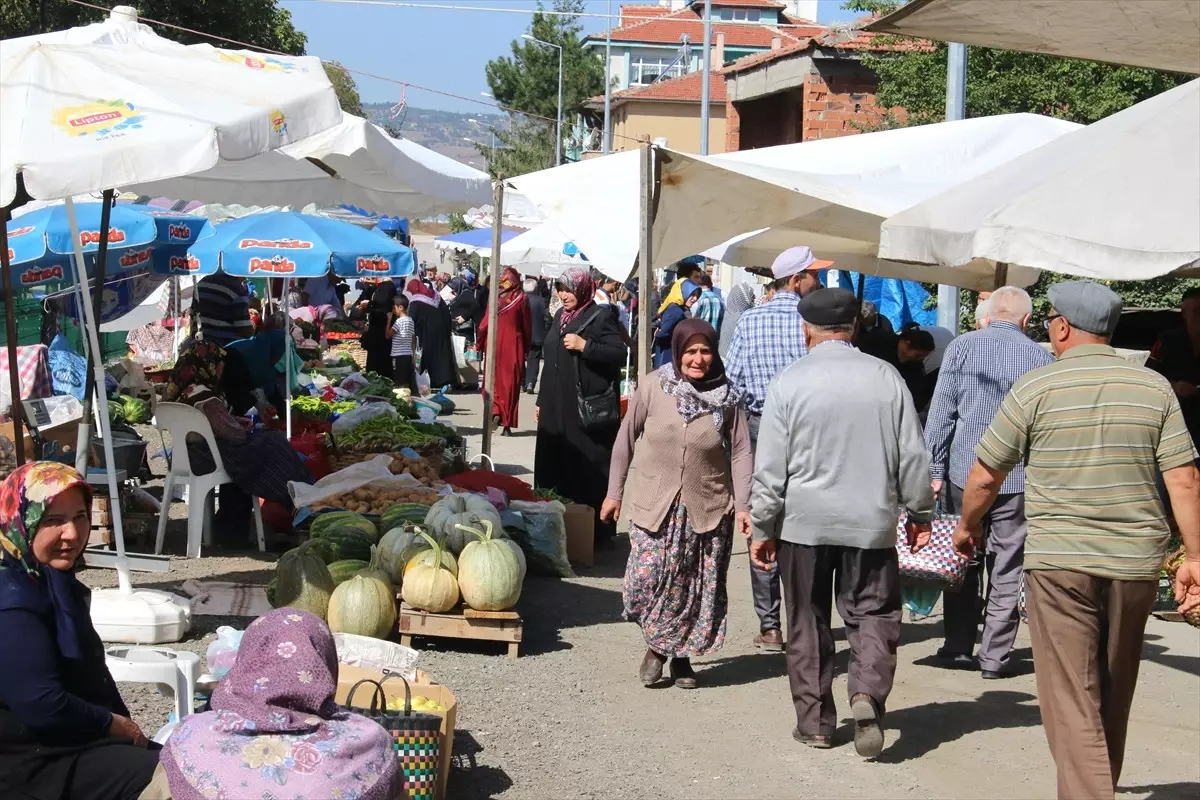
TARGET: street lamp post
(558,118)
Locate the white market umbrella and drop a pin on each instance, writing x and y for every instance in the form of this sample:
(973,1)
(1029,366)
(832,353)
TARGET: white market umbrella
(352,163)
(81,116)
(544,251)
(830,194)
(1160,34)
(1119,199)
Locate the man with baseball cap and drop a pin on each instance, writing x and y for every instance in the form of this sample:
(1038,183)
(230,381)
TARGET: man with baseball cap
(768,338)
(840,451)
(1092,429)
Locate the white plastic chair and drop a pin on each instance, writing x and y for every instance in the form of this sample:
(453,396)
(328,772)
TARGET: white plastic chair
(179,420)
(172,670)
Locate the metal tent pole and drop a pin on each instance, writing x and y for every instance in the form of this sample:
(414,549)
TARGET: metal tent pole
(493,318)
(956,108)
(287,357)
(607,144)
(705,77)
(10,329)
(83,439)
(645,259)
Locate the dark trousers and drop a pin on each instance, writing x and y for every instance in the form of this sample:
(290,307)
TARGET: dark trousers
(1087,647)
(867,586)
(533,360)
(1003,555)
(403,373)
(764,583)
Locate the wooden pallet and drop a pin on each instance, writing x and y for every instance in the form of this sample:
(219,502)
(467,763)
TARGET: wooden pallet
(462,623)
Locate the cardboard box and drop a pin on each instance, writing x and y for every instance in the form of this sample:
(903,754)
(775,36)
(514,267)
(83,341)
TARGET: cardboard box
(65,434)
(394,687)
(581,534)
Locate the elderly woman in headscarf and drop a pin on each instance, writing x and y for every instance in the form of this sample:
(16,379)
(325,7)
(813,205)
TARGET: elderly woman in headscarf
(741,297)
(274,729)
(431,319)
(514,335)
(675,312)
(584,354)
(64,730)
(261,462)
(464,308)
(687,438)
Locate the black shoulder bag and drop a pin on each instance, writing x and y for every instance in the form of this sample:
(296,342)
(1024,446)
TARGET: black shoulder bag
(601,410)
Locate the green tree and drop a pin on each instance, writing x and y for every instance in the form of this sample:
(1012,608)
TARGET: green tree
(346,89)
(261,23)
(458,223)
(527,81)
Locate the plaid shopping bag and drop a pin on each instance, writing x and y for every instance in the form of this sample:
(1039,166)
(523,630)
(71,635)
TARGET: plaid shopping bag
(416,738)
(937,563)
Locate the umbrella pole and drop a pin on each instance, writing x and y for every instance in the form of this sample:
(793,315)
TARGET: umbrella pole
(861,282)
(84,438)
(493,319)
(645,260)
(92,325)
(10,328)
(177,303)
(287,358)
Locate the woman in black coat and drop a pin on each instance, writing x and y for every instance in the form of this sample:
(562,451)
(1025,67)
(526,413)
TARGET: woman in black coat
(375,341)
(65,733)
(584,351)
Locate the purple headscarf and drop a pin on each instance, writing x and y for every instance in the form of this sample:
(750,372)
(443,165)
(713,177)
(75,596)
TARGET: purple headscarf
(275,729)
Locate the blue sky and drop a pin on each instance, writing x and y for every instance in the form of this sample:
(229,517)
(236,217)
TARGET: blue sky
(441,49)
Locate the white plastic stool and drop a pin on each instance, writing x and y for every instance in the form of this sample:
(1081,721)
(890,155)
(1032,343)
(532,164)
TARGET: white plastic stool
(179,420)
(172,670)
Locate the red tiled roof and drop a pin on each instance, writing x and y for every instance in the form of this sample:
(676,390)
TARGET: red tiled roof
(758,59)
(684,89)
(827,38)
(667,28)
(747,3)
(628,13)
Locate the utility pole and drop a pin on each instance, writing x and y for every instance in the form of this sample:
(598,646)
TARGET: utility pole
(956,108)
(557,119)
(607,144)
(705,77)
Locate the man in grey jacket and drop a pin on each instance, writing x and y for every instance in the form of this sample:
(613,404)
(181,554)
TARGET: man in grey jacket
(839,452)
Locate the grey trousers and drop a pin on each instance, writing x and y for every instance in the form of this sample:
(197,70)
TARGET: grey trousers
(1004,545)
(867,586)
(764,583)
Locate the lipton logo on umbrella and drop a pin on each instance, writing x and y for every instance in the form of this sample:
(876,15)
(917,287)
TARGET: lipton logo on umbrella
(183,264)
(38,274)
(102,119)
(179,232)
(276,264)
(373,264)
(275,244)
(115,236)
(265,63)
(136,258)
(278,122)
(15,232)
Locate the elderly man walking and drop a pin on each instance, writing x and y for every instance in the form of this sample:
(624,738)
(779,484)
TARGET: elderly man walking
(839,452)
(978,369)
(769,338)
(1092,429)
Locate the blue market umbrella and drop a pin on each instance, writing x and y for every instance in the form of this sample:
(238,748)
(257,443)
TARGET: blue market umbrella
(41,250)
(286,244)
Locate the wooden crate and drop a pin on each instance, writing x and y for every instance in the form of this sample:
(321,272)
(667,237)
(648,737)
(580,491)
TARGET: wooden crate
(462,623)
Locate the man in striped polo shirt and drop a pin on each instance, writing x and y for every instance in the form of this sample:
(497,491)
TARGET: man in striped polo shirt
(1092,429)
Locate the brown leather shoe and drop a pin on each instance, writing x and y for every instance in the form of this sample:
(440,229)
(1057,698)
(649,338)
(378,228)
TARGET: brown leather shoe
(868,726)
(770,641)
(817,741)
(651,670)
(682,673)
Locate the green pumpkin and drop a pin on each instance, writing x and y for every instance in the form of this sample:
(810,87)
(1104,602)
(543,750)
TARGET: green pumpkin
(303,581)
(396,549)
(363,606)
(489,572)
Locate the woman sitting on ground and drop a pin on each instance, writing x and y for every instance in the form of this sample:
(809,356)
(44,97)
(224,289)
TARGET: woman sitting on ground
(261,462)
(274,729)
(64,730)
(688,492)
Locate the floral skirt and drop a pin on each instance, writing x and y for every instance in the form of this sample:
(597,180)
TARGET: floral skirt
(675,585)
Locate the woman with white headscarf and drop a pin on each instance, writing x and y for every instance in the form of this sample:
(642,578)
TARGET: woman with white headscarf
(741,297)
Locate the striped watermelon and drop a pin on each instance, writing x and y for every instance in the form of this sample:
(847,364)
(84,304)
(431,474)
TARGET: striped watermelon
(346,569)
(396,516)
(342,519)
(346,543)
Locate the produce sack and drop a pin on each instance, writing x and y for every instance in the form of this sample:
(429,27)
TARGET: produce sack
(221,654)
(352,419)
(68,369)
(542,534)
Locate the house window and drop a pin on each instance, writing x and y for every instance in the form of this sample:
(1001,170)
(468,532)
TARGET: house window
(645,69)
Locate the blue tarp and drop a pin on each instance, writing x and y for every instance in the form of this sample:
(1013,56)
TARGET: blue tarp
(900,301)
(479,237)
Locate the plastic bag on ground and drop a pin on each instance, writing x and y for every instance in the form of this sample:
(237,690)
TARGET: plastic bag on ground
(353,382)
(543,536)
(223,651)
(423,383)
(352,419)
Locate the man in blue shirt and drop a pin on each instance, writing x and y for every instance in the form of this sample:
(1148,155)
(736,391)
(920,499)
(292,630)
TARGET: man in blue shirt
(768,338)
(978,369)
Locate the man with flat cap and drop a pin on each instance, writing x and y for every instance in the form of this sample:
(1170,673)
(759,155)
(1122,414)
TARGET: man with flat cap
(1092,430)
(840,450)
(768,338)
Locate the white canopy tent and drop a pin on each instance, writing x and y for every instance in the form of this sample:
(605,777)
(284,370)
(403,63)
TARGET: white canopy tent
(830,194)
(540,252)
(356,163)
(1161,34)
(1119,199)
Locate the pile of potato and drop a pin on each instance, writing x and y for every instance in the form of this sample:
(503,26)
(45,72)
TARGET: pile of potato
(419,468)
(376,500)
